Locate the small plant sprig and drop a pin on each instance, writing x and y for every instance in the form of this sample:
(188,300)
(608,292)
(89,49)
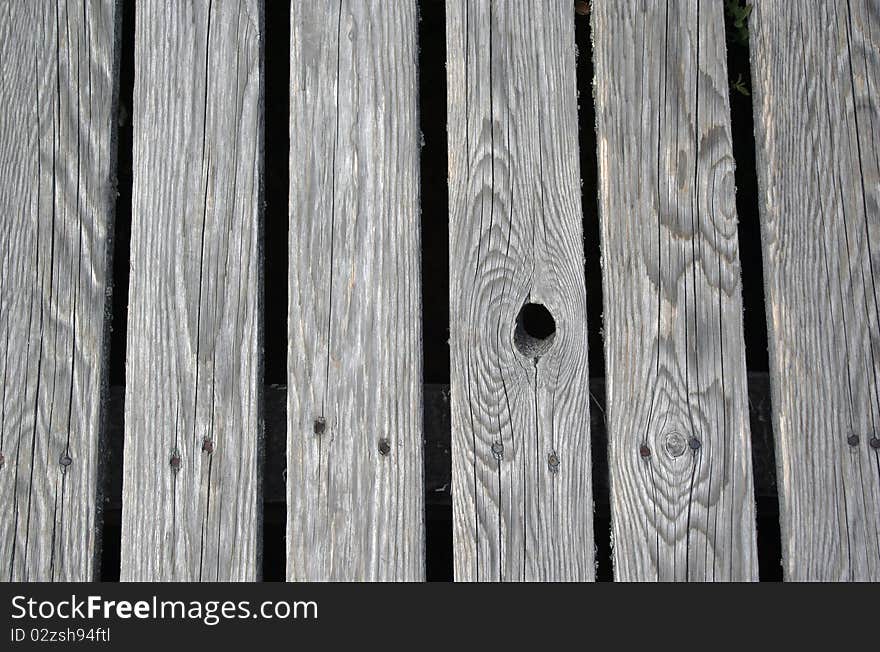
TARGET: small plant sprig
(739,15)
(740,86)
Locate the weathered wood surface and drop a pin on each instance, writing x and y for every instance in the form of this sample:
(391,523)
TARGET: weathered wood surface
(58,95)
(191,503)
(520,405)
(355,500)
(816,87)
(679,452)
(438,469)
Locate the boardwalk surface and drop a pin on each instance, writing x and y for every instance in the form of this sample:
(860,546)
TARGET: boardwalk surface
(522,492)
(56,205)
(352,482)
(679,451)
(354,447)
(191,500)
(816,85)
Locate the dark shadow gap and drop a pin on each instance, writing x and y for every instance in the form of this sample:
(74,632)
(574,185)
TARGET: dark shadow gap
(435,266)
(276,61)
(110,460)
(434,191)
(754,317)
(593,277)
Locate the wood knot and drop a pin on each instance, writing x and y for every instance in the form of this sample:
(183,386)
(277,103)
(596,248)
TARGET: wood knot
(644,451)
(320,425)
(384,447)
(675,444)
(497,450)
(553,462)
(208,445)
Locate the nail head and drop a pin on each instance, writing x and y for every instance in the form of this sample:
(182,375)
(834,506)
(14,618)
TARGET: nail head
(497,450)
(875,443)
(853,440)
(320,425)
(553,462)
(694,443)
(65,460)
(384,447)
(208,445)
(644,451)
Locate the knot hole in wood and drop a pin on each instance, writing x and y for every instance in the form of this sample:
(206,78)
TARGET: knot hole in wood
(535,330)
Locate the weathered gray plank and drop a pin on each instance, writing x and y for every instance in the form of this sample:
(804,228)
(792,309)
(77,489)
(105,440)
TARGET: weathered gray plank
(58,93)
(520,404)
(679,453)
(193,340)
(816,79)
(354,351)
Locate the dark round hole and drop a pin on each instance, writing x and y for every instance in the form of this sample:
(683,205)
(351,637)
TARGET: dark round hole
(535,330)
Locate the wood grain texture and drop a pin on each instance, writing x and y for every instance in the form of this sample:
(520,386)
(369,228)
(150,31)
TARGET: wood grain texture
(193,362)
(354,453)
(438,467)
(520,421)
(58,98)
(679,451)
(816,86)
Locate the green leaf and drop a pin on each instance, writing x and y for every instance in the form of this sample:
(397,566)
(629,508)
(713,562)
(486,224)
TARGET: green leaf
(740,86)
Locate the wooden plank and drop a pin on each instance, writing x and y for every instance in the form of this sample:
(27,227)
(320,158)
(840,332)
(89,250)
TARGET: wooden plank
(354,447)
(191,503)
(57,160)
(520,402)
(816,79)
(679,452)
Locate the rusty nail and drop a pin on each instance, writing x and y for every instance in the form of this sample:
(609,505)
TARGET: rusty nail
(875,443)
(644,451)
(497,450)
(208,445)
(175,461)
(694,443)
(384,446)
(853,440)
(320,424)
(553,462)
